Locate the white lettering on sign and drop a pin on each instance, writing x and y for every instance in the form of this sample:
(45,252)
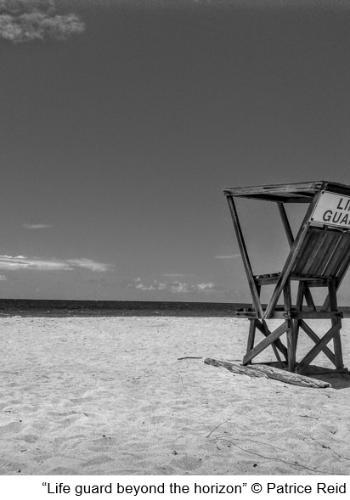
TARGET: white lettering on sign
(332,210)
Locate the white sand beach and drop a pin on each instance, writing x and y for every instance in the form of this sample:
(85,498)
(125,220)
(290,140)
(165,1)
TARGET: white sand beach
(99,395)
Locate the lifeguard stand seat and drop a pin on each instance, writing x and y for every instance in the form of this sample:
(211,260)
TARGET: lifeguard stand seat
(319,256)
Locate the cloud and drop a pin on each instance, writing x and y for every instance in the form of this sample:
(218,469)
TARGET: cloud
(205,286)
(37,226)
(173,275)
(27,20)
(3,277)
(229,256)
(89,264)
(175,287)
(14,263)
(20,262)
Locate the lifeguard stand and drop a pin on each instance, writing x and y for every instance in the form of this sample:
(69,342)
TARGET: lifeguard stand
(319,257)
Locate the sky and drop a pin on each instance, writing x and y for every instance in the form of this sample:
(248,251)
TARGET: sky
(122,122)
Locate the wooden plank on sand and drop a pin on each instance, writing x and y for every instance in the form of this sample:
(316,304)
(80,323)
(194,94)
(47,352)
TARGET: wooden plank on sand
(269,372)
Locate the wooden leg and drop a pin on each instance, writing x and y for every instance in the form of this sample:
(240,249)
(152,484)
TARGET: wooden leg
(287,293)
(296,327)
(300,296)
(291,345)
(251,337)
(336,322)
(298,308)
(338,350)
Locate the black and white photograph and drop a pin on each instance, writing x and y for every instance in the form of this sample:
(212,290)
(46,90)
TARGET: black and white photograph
(175,238)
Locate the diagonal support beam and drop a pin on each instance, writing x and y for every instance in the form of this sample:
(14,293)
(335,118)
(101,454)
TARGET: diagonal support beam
(279,345)
(319,346)
(272,337)
(317,339)
(286,223)
(245,257)
(290,238)
(308,297)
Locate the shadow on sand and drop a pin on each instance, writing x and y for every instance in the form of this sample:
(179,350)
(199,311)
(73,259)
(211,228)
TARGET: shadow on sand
(338,380)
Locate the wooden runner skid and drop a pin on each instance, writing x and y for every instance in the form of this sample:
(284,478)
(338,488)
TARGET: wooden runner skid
(319,257)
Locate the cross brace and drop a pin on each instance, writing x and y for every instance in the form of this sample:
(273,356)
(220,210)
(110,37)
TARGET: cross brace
(291,328)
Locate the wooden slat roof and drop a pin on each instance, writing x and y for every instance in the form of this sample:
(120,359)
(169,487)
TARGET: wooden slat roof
(299,192)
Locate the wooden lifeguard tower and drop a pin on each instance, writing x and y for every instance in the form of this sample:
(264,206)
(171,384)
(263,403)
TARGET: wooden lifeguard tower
(319,256)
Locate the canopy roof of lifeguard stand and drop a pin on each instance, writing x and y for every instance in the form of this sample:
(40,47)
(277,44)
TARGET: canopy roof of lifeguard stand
(298,192)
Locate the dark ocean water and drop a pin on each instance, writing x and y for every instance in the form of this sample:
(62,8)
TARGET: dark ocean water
(11,307)
(14,307)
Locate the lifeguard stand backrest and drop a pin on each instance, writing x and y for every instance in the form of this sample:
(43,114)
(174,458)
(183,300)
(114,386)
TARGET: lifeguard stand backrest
(325,251)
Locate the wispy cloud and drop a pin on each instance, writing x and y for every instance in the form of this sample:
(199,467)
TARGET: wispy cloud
(18,262)
(176,287)
(228,256)
(173,275)
(27,20)
(89,264)
(37,226)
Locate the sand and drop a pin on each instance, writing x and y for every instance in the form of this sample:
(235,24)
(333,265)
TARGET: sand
(109,396)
